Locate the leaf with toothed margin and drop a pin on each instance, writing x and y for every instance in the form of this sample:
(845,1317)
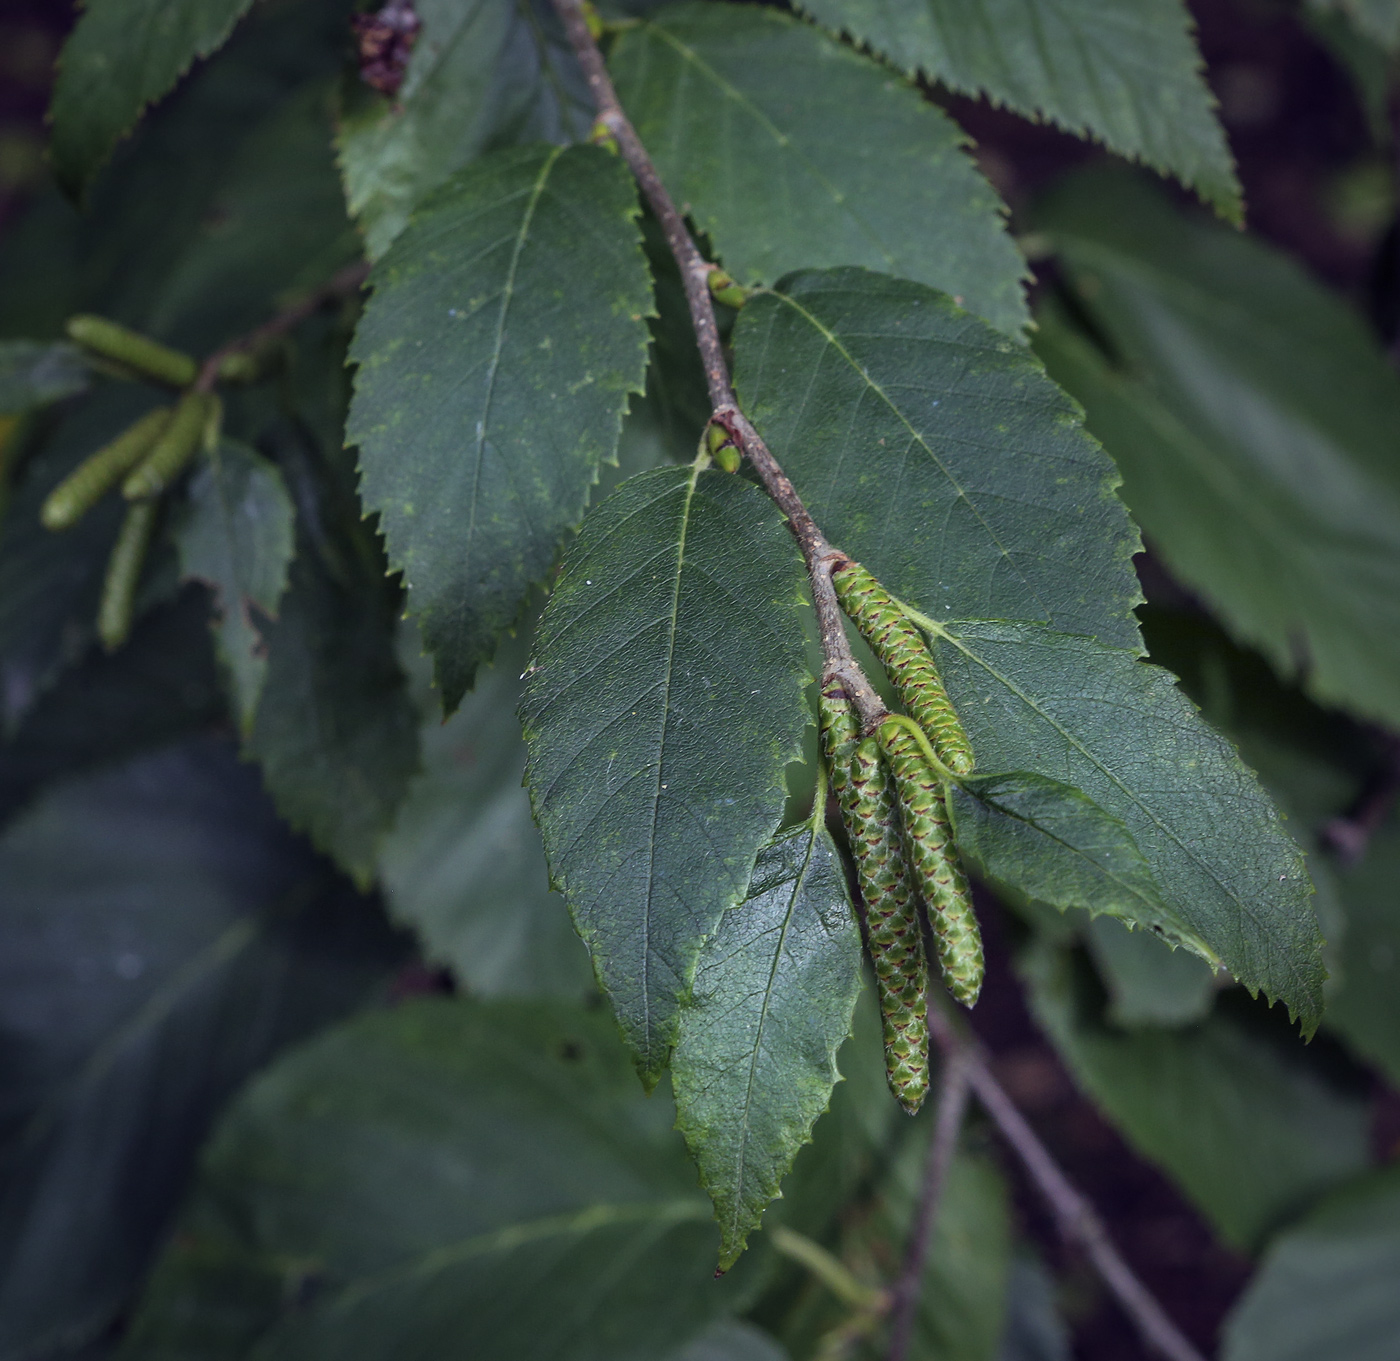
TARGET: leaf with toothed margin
(664,699)
(936,451)
(506,330)
(122,56)
(1117,728)
(1045,841)
(1124,72)
(751,116)
(773,997)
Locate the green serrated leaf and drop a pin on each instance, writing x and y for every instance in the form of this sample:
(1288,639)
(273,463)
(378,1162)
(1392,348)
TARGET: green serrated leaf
(238,534)
(482,75)
(506,331)
(1248,1121)
(1045,841)
(463,865)
(33,374)
(335,731)
(1119,730)
(664,699)
(774,991)
(1250,411)
(162,936)
(752,116)
(1326,1288)
(483,1180)
(935,450)
(122,56)
(1124,72)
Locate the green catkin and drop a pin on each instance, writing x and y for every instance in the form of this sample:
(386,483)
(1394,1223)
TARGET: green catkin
(928,842)
(901,650)
(137,352)
(114,613)
(865,792)
(96,475)
(172,451)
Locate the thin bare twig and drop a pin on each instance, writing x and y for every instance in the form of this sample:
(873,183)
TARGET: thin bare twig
(817,553)
(1076,1217)
(952,1106)
(339,285)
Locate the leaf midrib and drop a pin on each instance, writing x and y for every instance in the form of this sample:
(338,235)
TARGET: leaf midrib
(507,297)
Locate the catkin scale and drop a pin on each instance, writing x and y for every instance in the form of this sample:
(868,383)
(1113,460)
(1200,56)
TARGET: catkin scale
(114,612)
(172,451)
(137,352)
(901,651)
(97,474)
(865,792)
(928,842)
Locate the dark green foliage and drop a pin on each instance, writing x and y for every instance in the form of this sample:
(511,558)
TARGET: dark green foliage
(664,700)
(482,1177)
(966,486)
(1250,1123)
(744,108)
(1250,410)
(32,374)
(150,964)
(1079,63)
(494,370)
(478,1173)
(771,1004)
(121,57)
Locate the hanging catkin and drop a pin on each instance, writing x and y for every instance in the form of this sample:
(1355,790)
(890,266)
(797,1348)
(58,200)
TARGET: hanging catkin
(934,862)
(900,648)
(865,792)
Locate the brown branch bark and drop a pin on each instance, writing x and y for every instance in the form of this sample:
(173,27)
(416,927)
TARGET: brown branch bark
(1076,1218)
(819,556)
(952,1106)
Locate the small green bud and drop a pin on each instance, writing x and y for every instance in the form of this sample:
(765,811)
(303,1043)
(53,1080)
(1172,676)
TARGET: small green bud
(724,288)
(602,135)
(719,444)
(593,19)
